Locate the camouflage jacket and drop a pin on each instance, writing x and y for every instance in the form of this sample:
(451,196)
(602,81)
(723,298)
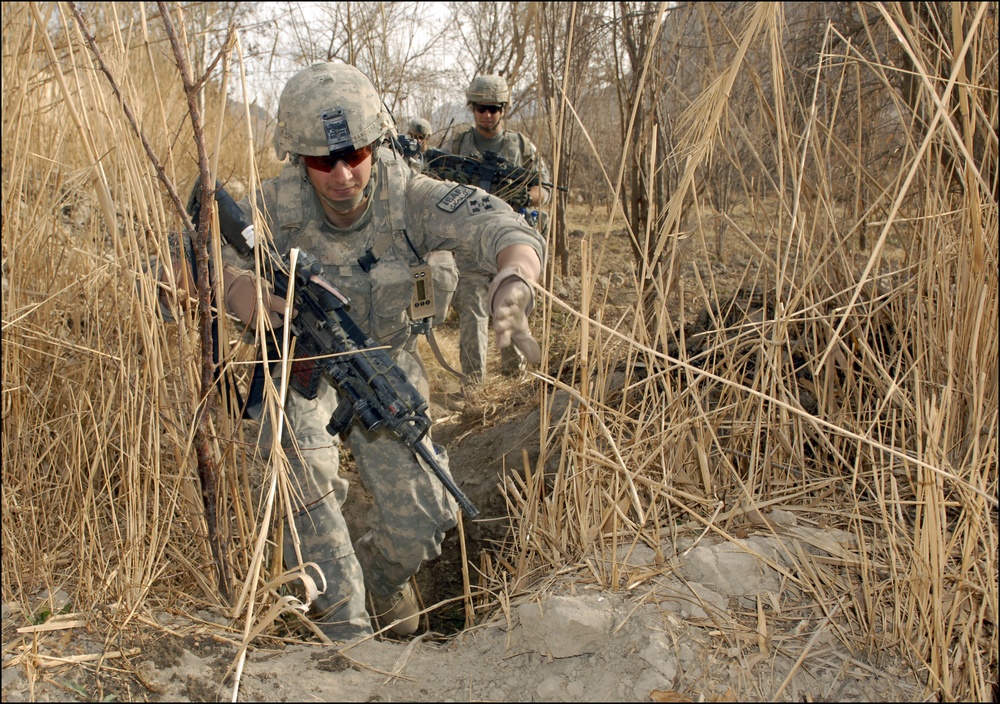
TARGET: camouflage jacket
(435,215)
(517,150)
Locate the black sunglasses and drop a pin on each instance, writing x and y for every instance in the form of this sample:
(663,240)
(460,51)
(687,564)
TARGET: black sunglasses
(491,109)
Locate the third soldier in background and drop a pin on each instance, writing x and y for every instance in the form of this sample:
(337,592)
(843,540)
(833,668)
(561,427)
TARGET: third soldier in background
(419,131)
(489,97)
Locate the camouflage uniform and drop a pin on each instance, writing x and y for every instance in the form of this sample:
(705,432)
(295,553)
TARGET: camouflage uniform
(412,510)
(419,128)
(470,297)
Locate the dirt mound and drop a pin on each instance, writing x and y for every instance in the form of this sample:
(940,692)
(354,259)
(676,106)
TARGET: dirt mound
(672,633)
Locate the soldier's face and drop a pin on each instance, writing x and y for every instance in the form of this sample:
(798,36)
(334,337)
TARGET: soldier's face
(488,117)
(421,141)
(342,183)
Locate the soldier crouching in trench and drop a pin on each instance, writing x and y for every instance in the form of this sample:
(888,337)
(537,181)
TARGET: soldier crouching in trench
(349,200)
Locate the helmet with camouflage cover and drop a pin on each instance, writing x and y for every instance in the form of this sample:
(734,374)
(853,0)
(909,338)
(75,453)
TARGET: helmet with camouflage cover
(326,108)
(488,90)
(420,127)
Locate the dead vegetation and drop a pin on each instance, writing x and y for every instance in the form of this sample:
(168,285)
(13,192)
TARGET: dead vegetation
(844,368)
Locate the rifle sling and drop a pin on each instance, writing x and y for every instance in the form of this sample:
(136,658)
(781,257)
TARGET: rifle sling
(432,341)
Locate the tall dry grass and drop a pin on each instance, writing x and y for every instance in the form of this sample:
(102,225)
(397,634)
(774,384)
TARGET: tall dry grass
(860,391)
(854,385)
(101,497)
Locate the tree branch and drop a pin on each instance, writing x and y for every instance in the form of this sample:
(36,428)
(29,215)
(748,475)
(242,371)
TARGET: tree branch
(207,464)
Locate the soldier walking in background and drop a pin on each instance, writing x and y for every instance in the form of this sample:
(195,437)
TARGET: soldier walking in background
(420,132)
(488,97)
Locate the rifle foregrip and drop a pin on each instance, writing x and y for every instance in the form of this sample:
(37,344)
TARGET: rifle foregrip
(342,417)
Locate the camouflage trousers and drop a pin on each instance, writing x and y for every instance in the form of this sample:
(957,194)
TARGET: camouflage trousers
(473,328)
(409,518)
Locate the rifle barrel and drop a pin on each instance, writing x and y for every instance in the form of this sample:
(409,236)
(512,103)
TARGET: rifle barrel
(422,449)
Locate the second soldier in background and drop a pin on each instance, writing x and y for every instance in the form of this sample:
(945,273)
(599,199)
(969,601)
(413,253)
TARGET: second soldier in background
(489,97)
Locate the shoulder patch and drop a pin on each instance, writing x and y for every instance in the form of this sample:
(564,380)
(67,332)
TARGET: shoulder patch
(455,197)
(481,205)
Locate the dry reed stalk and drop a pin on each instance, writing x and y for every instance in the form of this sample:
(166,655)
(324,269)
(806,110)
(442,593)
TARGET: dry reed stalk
(85,359)
(470,611)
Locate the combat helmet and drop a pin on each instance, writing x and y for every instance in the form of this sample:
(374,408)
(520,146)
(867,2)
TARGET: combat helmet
(420,126)
(326,108)
(488,90)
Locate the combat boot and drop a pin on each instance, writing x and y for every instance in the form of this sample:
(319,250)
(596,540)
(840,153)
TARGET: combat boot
(401,605)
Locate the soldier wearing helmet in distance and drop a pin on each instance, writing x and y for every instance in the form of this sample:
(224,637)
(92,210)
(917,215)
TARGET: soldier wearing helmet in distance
(413,144)
(348,199)
(488,97)
(419,131)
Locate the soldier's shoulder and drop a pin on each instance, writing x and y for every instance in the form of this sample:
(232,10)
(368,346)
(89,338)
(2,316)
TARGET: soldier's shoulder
(270,185)
(267,192)
(521,139)
(423,188)
(459,138)
(285,188)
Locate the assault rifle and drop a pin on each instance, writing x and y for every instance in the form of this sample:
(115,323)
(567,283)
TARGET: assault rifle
(328,341)
(492,173)
(372,387)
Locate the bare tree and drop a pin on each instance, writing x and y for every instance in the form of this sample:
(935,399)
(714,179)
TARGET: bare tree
(567,39)
(493,38)
(393,43)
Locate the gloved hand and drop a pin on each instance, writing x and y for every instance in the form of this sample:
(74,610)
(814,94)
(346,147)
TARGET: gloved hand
(511,301)
(241,298)
(539,195)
